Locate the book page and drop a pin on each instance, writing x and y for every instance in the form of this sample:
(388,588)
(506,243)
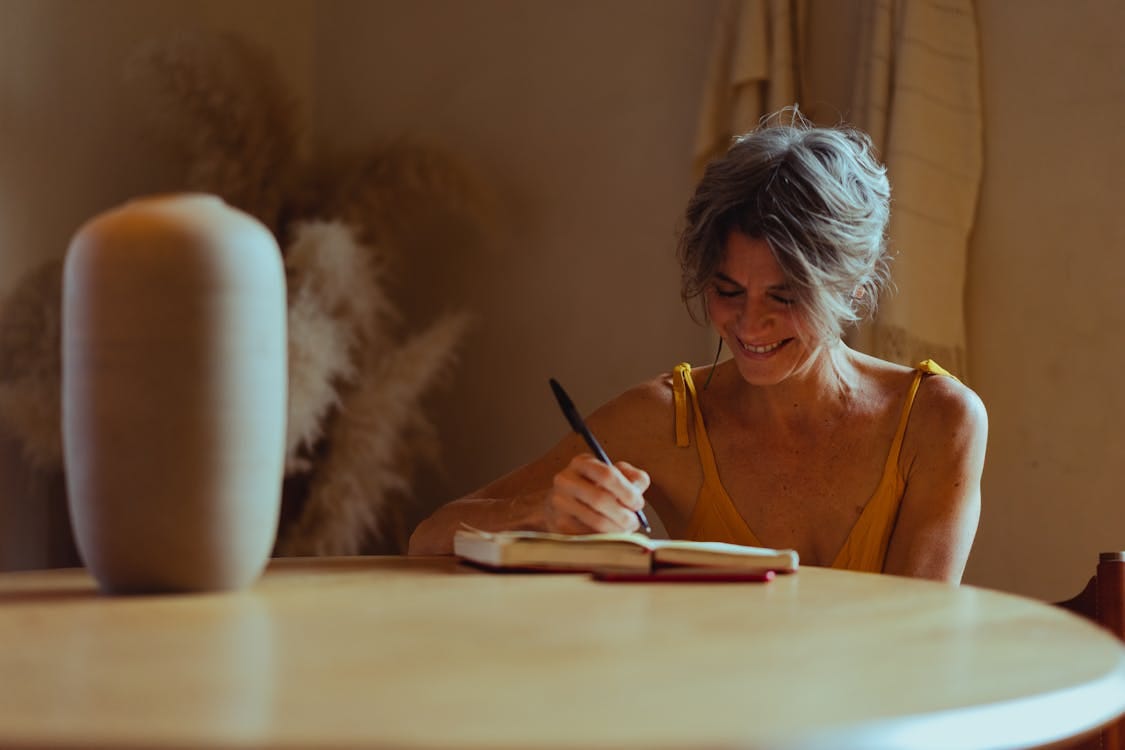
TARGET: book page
(546,551)
(624,536)
(715,547)
(682,552)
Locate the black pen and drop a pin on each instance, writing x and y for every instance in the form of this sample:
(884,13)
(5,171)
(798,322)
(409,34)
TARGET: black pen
(580,427)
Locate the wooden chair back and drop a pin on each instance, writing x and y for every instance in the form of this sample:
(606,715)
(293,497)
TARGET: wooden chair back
(1103,601)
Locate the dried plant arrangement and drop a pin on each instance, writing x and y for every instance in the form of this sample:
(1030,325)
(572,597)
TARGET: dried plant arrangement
(359,373)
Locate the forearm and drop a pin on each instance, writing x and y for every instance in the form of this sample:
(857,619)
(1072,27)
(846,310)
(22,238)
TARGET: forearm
(938,562)
(434,536)
(936,547)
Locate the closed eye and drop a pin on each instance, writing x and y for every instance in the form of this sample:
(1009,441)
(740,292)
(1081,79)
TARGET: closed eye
(726,287)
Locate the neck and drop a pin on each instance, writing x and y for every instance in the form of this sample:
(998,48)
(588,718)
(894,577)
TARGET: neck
(819,394)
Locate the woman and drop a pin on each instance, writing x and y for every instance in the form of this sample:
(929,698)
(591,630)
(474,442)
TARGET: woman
(796,441)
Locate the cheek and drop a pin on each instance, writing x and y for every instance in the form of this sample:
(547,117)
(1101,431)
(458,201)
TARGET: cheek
(709,305)
(719,310)
(801,326)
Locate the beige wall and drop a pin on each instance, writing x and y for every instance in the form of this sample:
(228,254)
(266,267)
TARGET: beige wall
(580,114)
(71,140)
(1047,292)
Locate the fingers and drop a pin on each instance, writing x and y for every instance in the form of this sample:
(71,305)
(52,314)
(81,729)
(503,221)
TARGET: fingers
(589,496)
(637,477)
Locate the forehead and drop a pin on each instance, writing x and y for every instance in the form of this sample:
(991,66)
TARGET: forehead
(747,258)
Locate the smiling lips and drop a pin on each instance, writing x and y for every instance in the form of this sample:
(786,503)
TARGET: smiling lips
(763,349)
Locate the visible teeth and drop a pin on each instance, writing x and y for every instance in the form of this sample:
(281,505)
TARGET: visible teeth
(762,349)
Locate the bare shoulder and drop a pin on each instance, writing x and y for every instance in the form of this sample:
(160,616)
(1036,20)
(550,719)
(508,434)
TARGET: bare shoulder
(652,393)
(948,427)
(944,403)
(640,414)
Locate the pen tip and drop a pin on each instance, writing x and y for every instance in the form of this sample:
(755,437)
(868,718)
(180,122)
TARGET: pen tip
(557,389)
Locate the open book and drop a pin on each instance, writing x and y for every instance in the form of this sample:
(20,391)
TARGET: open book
(532,550)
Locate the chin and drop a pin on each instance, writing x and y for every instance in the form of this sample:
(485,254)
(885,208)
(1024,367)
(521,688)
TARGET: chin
(772,368)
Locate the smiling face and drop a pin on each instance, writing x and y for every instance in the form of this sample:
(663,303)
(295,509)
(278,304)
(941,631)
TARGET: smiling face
(753,308)
(821,200)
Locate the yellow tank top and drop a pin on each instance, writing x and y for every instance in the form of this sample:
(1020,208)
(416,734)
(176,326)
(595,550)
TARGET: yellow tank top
(715,518)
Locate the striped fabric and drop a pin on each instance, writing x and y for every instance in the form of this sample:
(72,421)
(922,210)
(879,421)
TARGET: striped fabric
(919,97)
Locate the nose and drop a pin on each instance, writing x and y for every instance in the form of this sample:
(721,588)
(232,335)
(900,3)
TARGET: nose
(754,319)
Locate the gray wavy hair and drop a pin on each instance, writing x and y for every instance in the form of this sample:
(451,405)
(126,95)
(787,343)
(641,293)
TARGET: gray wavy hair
(821,200)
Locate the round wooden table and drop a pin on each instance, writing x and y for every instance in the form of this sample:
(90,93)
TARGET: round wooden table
(427,653)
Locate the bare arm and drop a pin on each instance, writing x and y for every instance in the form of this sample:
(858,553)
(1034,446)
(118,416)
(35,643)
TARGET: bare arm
(567,490)
(938,517)
(434,536)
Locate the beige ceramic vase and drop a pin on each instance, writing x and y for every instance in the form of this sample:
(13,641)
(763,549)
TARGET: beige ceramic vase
(174,394)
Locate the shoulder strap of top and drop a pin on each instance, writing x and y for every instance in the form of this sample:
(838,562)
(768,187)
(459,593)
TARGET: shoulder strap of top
(930,367)
(896,444)
(866,545)
(680,377)
(690,398)
(925,367)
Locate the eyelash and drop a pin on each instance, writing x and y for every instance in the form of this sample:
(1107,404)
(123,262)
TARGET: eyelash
(730,294)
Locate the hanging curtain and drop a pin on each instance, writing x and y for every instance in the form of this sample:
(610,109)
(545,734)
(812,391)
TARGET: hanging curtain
(753,70)
(918,94)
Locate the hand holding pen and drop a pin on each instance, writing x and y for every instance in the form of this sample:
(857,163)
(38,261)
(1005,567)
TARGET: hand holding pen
(579,426)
